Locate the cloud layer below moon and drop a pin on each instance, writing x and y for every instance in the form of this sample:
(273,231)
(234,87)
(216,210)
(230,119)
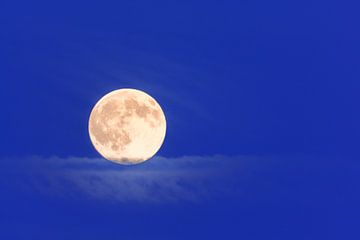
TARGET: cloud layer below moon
(170,180)
(188,178)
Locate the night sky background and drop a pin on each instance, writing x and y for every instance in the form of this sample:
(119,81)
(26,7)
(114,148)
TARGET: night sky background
(262,107)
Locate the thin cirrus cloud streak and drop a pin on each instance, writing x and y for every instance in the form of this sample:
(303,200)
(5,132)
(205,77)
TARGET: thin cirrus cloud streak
(187,178)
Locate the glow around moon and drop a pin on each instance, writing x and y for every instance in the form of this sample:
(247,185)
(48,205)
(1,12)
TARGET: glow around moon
(127,126)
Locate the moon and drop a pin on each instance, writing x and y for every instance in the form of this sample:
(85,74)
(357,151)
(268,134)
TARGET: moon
(127,126)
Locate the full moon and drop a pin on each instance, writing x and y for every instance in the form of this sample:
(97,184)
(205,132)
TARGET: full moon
(127,126)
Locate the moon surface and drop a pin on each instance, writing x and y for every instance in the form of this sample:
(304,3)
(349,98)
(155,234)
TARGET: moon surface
(127,126)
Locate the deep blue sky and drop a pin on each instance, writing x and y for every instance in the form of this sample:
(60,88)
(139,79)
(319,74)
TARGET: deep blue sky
(261,99)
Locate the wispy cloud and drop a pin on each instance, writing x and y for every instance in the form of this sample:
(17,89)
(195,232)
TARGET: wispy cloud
(187,178)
